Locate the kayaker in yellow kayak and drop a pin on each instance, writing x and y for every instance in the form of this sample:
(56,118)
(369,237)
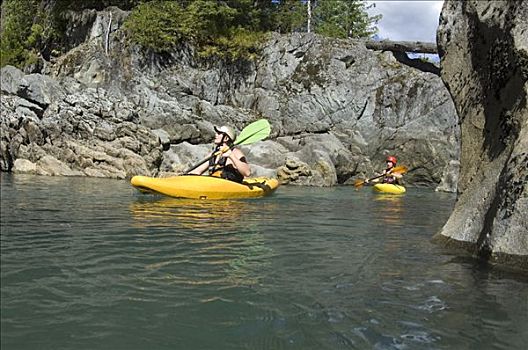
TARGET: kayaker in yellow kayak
(388,176)
(230,163)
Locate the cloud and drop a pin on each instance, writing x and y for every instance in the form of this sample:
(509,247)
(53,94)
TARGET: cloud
(407,20)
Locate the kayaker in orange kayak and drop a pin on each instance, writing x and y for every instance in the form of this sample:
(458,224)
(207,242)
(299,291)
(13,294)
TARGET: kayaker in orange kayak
(230,163)
(389,177)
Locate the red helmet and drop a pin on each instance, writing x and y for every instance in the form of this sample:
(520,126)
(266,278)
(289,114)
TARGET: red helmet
(391,159)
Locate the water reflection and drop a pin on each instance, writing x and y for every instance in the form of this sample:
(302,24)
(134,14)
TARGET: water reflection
(188,213)
(205,236)
(390,208)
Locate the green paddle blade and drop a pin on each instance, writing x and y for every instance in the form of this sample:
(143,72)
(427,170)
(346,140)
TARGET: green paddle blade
(254,132)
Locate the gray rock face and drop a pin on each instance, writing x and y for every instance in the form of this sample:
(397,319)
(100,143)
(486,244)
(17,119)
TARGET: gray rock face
(336,108)
(484,46)
(51,131)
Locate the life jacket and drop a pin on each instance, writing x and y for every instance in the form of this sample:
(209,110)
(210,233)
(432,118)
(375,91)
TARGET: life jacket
(218,168)
(389,179)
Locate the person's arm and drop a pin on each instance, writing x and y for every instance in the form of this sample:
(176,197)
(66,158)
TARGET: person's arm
(236,156)
(397,178)
(377,178)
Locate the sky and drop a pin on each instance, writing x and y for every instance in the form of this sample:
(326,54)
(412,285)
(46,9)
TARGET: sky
(407,20)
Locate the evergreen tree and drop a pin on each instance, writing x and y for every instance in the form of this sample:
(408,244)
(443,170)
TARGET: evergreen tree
(332,18)
(156,25)
(343,19)
(21,34)
(289,16)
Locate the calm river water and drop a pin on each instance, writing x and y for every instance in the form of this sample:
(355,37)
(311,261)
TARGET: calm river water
(94,264)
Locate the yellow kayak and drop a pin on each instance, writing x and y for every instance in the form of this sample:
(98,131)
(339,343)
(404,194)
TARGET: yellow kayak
(205,187)
(389,188)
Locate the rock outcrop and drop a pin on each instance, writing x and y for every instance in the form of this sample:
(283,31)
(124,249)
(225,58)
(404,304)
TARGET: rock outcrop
(67,129)
(336,109)
(484,49)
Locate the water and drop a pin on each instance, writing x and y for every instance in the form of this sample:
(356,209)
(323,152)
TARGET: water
(93,264)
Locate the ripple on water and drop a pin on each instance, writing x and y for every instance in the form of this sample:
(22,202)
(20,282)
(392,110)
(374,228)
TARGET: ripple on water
(306,268)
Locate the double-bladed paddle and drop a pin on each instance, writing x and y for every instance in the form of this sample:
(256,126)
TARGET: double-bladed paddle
(402,169)
(252,133)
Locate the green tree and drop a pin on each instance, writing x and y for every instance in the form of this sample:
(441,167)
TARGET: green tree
(332,18)
(30,28)
(289,16)
(254,15)
(229,29)
(156,25)
(98,5)
(206,19)
(15,31)
(344,19)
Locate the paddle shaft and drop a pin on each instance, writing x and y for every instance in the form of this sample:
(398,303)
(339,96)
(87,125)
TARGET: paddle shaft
(399,169)
(205,160)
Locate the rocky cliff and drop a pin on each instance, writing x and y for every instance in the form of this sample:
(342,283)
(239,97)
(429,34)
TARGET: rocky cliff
(336,109)
(484,49)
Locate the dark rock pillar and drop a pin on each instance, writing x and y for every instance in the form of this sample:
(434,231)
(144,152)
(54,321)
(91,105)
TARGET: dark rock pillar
(484,57)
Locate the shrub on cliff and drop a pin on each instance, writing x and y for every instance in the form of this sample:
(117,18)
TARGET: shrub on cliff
(221,29)
(230,29)
(156,25)
(234,29)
